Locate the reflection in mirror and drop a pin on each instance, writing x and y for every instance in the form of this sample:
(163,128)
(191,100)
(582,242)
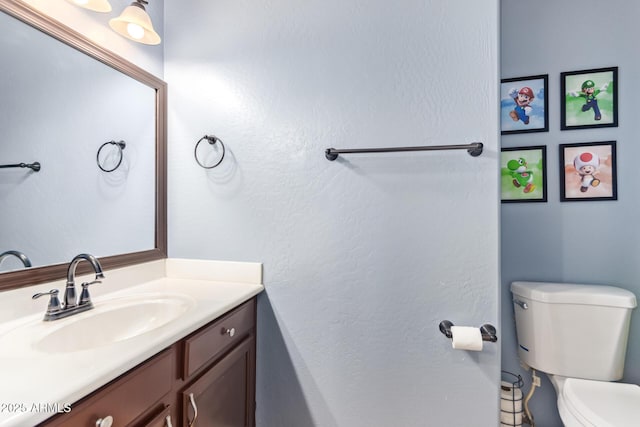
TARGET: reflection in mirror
(67,106)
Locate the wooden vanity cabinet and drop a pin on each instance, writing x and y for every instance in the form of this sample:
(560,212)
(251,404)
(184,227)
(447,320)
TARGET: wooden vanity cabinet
(212,368)
(225,394)
(219,372)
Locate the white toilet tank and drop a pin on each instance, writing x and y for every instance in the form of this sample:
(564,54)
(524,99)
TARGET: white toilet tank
(577,331)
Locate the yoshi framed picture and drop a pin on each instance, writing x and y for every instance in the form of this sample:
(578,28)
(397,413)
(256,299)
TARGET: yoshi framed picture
(524,106)
(523,174)
(588,171)
(589,99)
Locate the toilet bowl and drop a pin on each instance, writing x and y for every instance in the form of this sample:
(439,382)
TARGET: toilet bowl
(589,403)
(577,335)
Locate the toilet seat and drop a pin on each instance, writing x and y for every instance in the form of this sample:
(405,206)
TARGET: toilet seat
(599,403)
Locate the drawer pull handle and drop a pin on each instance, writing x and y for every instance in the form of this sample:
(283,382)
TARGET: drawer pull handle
(195,409)
(168,421)
(229,331)
(104,422)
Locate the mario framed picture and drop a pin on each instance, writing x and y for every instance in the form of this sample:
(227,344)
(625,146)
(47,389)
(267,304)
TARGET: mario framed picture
(588,171)
(523,174)
(524,106)
(589,99)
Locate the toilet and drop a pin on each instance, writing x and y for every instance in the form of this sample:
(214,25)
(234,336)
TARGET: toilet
(577,335)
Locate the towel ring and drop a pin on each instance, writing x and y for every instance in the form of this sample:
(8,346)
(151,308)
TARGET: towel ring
(212,140)
(120,145)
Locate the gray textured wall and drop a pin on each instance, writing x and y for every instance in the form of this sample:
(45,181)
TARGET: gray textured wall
(583,242)
(363,257)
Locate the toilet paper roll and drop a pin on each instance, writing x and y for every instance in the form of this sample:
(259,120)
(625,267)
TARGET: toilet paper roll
(466,338)
(510,419)
(510,398)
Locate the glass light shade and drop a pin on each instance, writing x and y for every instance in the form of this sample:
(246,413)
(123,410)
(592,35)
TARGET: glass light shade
(135,24)
(95,5)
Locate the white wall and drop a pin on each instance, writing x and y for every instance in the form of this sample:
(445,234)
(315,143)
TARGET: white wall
(95,26)
(363,257)
(577,242)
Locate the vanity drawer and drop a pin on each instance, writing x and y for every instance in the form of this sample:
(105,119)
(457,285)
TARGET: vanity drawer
(219,336)
(126,398)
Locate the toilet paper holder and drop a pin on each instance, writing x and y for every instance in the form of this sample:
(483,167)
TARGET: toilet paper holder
(488,331)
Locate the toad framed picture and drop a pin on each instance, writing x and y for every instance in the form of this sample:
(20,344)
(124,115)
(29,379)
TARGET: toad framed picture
(588,171)
(524,106)
(523,174)
(589,99)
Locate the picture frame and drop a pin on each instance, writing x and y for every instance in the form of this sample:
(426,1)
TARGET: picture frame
(589,99)
(588,171)
(524,104)
(523,174)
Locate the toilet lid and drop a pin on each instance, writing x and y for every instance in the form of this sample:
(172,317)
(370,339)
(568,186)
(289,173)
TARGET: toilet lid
(602,403)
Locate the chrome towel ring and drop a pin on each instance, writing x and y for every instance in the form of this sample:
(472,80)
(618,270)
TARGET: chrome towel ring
(120,145)
(212,140)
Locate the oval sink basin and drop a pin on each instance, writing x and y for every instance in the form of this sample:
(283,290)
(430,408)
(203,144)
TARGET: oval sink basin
(111,321)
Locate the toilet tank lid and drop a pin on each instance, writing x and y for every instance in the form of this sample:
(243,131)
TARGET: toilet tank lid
(571,293)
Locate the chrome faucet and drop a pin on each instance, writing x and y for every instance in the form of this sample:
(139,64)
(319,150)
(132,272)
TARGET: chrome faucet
(72,305)
(70,290)
(22,257)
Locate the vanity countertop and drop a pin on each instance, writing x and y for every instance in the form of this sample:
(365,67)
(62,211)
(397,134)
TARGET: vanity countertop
(37,383)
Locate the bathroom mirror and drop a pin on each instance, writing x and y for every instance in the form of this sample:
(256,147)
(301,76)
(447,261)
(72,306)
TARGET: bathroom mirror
(63,98)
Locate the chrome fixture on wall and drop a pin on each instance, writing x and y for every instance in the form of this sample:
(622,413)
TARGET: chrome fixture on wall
(135,24)
(474,149)
(212,141)
(95,5)
(120,145)
(487,330)
(35,166)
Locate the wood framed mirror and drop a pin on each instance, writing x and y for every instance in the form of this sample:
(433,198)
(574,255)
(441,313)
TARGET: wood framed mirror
(90,208)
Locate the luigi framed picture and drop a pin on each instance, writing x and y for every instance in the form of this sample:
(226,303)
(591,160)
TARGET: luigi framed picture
(589,99)
(524,106)
(588,171)
(523,174)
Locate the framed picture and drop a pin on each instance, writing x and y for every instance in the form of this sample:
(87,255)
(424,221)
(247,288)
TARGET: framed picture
(588,171)
(524,106)
(523,174)
(589,99)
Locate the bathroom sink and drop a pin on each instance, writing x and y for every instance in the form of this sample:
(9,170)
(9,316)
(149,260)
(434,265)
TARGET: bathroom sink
(111,321)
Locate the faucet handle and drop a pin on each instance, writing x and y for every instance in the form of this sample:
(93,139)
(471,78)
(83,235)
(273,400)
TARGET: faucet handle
(54,302)
(85,298)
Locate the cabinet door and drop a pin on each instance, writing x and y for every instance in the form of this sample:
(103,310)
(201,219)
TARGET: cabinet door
(225,394)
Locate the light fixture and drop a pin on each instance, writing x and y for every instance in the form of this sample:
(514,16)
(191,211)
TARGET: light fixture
(95,5)
(135,24)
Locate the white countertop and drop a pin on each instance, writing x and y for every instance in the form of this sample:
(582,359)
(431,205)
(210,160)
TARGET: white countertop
(32,381)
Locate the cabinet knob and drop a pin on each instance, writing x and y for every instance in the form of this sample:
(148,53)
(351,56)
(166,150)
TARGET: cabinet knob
(229,331)
(104,422)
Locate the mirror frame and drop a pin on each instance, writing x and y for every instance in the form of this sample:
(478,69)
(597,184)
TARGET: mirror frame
(57,30)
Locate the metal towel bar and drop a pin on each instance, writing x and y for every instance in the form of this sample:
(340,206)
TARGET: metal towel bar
(474,149)
(33,166)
